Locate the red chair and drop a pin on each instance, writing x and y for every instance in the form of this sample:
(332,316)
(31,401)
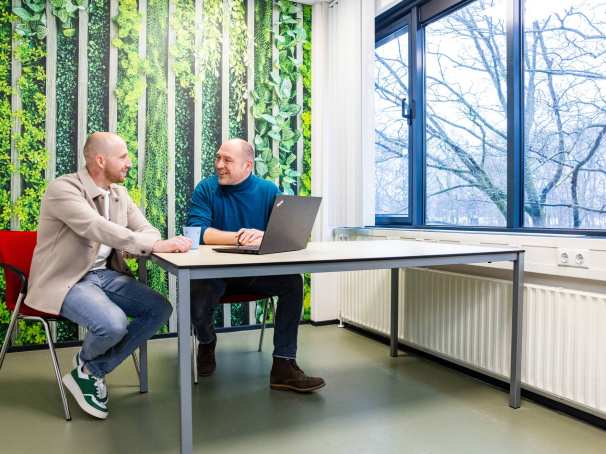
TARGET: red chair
(16,251)
(233,299)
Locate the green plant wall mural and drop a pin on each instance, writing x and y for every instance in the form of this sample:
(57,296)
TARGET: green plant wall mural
(98,65)
(6,91)
(132,70)
(29,140)
(212,30)
(187,81)
(66,154)
(6,168)
(305,177)
(156,140)
(238,67)
(196,59)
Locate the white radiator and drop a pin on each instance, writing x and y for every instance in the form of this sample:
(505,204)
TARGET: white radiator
(467,319)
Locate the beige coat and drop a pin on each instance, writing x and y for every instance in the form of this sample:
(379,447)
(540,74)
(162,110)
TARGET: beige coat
(70,231)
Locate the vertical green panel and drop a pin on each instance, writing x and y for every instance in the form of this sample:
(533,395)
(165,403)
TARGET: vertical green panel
(156,156)
(5,139)
(98,65)
(305,188)
(30,143)
(67,106)
(290,34)
(131,83)
(239,314)
(262,95)
(5,114)
(185,82)
(212,29)
(66,151)
(212,51)
(238,68)
(263,46)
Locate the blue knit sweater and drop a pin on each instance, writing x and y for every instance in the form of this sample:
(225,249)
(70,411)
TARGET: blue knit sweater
(232,207)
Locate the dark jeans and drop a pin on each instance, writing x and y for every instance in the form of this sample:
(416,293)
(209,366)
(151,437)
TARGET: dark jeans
(206,294)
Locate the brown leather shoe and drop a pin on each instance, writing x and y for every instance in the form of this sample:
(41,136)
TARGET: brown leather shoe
(287,375)
(206,359)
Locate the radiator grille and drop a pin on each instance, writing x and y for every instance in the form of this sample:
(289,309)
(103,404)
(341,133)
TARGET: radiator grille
(468,319)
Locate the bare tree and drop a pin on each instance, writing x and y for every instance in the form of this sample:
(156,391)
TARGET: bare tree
(466,132)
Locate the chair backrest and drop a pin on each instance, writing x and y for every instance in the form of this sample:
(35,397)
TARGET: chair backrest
(16,249)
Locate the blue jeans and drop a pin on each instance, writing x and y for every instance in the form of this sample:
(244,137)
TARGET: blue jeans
(206,294)
(101,301)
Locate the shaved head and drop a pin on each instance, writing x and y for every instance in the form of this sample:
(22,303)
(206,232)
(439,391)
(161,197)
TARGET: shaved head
(106,157)
(241,146)
(101,143)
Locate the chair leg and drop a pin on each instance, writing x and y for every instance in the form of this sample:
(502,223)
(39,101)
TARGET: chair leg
(263,325)
(51,349)
(143,376)
(194,357)
(136,363)
(7,338)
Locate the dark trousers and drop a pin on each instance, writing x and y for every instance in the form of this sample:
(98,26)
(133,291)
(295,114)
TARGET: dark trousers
(206,294)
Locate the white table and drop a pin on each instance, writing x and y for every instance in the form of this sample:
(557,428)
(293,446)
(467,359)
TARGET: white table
(321,257)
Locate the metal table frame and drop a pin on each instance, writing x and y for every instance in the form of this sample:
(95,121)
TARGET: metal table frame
(186,274)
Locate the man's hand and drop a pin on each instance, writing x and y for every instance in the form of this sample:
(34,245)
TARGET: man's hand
(249,237)
(176,244)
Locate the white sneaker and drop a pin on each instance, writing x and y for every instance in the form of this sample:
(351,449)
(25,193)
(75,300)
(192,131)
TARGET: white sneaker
(89,391)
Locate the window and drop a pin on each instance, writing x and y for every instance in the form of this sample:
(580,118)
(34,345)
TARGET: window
(391,129)
(466,117)
(508,125)
(565,114)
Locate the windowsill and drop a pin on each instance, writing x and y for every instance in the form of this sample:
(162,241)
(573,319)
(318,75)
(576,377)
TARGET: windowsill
(496,231)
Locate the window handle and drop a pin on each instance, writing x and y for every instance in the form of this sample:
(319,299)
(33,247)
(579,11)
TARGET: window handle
(408,111)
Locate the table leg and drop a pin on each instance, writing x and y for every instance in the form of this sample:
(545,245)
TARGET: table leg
(143,381)
(395,291)
(516,332)
(183,327)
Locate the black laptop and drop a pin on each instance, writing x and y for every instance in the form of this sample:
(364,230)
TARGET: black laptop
(290,223)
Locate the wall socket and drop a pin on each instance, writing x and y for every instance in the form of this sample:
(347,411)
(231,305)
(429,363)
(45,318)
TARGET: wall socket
(576,258)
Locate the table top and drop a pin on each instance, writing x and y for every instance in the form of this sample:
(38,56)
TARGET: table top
(329,251)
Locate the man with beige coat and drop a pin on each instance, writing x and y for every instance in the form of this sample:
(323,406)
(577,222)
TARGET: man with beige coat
(87,223)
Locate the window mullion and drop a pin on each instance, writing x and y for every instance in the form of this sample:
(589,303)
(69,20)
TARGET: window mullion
(515,115)
(416,149)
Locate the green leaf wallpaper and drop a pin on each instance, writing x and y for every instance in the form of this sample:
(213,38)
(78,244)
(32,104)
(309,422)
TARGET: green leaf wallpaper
(205,46)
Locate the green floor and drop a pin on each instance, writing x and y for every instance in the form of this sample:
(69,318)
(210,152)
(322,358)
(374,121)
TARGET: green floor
(371,404)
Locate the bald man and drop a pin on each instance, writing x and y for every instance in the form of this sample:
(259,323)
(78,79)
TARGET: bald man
(233,208)
(87,222)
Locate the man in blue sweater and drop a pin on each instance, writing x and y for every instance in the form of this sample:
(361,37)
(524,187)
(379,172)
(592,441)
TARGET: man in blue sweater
(233,208)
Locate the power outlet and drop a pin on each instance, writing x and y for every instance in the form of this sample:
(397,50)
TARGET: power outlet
(576,258)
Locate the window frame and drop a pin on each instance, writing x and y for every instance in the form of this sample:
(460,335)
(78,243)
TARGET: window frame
(396,26)
(420,13)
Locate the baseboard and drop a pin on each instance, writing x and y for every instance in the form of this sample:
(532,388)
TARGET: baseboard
(530,395)
(324,322)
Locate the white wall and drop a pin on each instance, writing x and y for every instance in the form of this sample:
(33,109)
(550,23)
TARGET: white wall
(343,164)
(383,5)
